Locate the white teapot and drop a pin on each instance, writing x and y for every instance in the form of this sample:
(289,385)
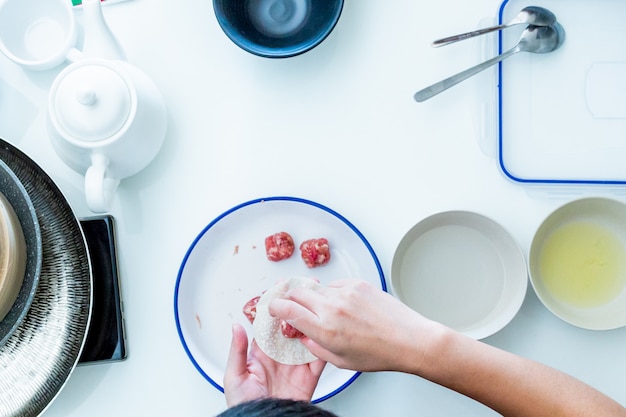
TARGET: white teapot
(106,118)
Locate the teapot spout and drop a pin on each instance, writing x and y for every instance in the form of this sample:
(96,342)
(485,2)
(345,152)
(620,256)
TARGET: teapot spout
(99,41)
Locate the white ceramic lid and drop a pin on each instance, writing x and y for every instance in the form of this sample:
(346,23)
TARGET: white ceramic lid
(92,102)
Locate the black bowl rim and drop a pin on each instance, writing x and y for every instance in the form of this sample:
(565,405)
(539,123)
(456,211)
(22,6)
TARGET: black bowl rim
(265,52)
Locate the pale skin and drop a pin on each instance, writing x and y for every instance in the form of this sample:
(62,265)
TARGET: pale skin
(251,375)
(352,324)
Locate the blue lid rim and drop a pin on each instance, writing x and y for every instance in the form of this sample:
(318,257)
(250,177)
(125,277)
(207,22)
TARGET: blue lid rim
(501,162)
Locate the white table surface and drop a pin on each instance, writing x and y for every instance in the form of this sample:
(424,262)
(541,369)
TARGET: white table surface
(243,127)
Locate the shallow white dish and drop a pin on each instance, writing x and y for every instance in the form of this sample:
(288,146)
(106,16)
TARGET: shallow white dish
(226,266)
(463,270)
(609,215)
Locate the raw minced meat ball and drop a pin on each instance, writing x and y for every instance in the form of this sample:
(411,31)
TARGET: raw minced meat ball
(279,246)
(315,252)
(249,309)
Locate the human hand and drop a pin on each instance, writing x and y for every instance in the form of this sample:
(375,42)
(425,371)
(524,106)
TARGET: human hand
(253,375)
(354,325)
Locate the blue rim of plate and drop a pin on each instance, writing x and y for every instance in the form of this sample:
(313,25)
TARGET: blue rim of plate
(232,210)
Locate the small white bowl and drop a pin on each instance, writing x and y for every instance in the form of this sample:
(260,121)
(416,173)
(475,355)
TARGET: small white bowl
(577,263)
(12,256)
(463,270)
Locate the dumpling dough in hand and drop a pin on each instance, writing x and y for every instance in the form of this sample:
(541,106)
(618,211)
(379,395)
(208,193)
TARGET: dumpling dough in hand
(267,329)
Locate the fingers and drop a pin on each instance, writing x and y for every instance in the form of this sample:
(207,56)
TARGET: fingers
(290,311)
(309,298)
(323,354)
(317,367)
(304,299)
(238,354)
(343,282)
(315,348)
(304,307)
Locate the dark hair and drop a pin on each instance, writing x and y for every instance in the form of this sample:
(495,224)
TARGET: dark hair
(276,407)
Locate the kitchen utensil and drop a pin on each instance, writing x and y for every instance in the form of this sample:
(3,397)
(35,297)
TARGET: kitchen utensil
(531,15)
(37,34)
(15,194)
(461,269)
(277,28)
(534,39)
(106,118)
(580,142)
(39,357)
(577,263)
(12,256)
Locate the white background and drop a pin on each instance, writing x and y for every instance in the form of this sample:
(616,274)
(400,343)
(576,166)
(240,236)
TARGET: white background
(336,125)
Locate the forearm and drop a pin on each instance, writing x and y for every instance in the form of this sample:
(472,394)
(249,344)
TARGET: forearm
(507,383)
(353,325)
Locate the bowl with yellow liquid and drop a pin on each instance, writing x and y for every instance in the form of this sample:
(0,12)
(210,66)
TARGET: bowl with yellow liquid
(577,263)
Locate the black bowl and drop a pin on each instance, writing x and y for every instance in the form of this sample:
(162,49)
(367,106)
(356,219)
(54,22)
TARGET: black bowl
(277,28)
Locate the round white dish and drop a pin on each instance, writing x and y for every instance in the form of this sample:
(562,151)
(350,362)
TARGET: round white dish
(226,266)
(607,215)
(463,270)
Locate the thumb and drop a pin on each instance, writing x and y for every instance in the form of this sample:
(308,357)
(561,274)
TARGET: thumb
(236,366)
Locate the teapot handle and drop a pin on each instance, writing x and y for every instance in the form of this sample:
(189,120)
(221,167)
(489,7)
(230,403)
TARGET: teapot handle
(99,189)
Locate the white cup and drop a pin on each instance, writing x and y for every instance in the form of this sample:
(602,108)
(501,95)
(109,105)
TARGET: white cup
(37,34)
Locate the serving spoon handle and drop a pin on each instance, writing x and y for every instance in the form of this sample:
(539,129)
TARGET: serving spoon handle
(467,35)
(443,85)
(533,15)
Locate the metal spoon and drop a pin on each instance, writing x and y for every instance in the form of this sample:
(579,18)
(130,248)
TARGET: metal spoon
(535,39)
(531,15)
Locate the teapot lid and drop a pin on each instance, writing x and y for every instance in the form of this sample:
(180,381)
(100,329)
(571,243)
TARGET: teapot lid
(92,101)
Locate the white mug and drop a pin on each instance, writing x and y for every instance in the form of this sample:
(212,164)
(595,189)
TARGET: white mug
(38,34)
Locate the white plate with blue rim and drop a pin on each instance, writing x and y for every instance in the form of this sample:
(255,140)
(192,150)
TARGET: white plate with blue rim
(226,265)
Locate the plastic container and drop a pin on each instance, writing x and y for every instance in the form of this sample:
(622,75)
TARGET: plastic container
(561,117)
